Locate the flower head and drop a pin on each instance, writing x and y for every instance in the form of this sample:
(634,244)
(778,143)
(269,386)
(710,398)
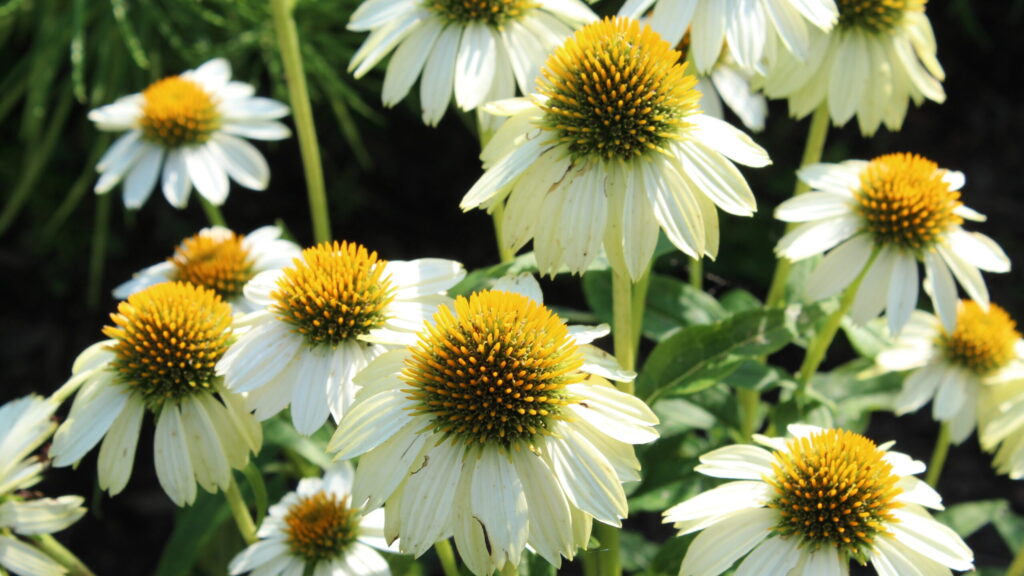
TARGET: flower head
(811,504)
(889,214)
(751,29)
(880,56)
(956,370)
(323,319)
(25,423)
(613,148)
(480,48)
(497,425)
(164,344)
(219,259)
(317,526)
(185,130)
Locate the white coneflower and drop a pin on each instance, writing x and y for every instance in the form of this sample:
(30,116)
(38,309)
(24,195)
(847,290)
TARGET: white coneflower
(499,428)
(811,504)
(319,530)
(955,370)
(164,345)
(880,56)
(904,209)
(612,149)
(480,49)
(322,320)
(187,130)
(219,259)
(25,423)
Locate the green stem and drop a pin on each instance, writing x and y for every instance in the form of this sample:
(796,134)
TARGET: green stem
(97,258)
(62,555)
(447,557)
(259,489)
(609,562)
(749,401)
(697,273)
(1017,566)
(823,339)
(622,322)
(813,149)
(939,454)
(213,213)
(509,569)
(246,527)
(302,112)
(497,213)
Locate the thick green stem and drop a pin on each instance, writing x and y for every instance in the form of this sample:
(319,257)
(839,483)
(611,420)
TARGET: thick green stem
(823,339)
(98,256)
(697,273)
(813,149)
(213,213)
(939,454)
(749,401)
(622,322)
(1017,566)
(54,549)
(246,527)
(609,562)
(497,213)
(302,112)
(639,303)
(447,557)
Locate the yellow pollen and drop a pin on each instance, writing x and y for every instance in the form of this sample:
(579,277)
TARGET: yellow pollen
(321,526)
(876,15)
(495,13)
(168,339)
(220,262)
(177,111)
(905,201)
(617,90)
(493,370)
(983,342)
(334,293)
(834,488)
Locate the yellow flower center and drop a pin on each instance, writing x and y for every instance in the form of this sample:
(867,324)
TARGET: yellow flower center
(177,111)
(221,263)
(494,370)
(335,293)
(983,342)
(321,526)
(616,90)
(876,15)
(834,488)
(905,201)
(494,13)
(168,338)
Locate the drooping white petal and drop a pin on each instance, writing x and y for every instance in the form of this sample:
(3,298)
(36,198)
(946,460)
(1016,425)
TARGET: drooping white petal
(439,75)
(475,65)
(117,453)
(716,548)
(499,504)
(175,182)
(96,407)
(369,423)
(242,161)
(428,497)
(170,451)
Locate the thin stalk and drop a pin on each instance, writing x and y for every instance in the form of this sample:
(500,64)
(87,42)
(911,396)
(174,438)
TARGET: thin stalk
(823,339)
(447,557)
(213,213)
(509,569)
(609,560)
(749,401)
(939,454)
(622,322)
(497,213)
(302,112)
(97,258)
(639,303)
(813,149)
(246,527)
(62,555)
(1017,566)
(259,489)
(697,273)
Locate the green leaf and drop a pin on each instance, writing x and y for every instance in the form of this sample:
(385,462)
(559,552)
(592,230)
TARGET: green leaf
(856,389)
(637,552)
(755,375)
(739,300)
(193,528)
(279,432)
(868,340)
(698,356)
(483,278)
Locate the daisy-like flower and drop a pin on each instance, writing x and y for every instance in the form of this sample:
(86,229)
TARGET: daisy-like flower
(1001,425)
(186,131)
(898,209)
(160,358)
(955,370)
(880,56)
(613,148)
(218,259)
(322,320)
(480,48)
(810,504)
(750,28)
(497,427)
(25,424)
(318,527)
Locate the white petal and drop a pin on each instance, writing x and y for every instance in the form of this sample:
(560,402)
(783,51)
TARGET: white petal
(170,451)
(255,109)
(549,518)
(716,548)
(979,250)
(839,268)
(408,60)
(918,388)
(257,555)
(621,416)
(499,504)
(428,497)
(204,446)
(384,468)
(902,294)
(586,476)
(206,174)
(439,74)
(138,185)
(942,290)
(212,74)
(475,65)
(814,206)
(42,515)
(816,237)
(739,461)
(117,453)
(95,408)
(258,130)
(932,539)
(728,141)
(774,557)
(175,182)
(369,423)
(243,162)
(714,505)
(310,407)
(23,559)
